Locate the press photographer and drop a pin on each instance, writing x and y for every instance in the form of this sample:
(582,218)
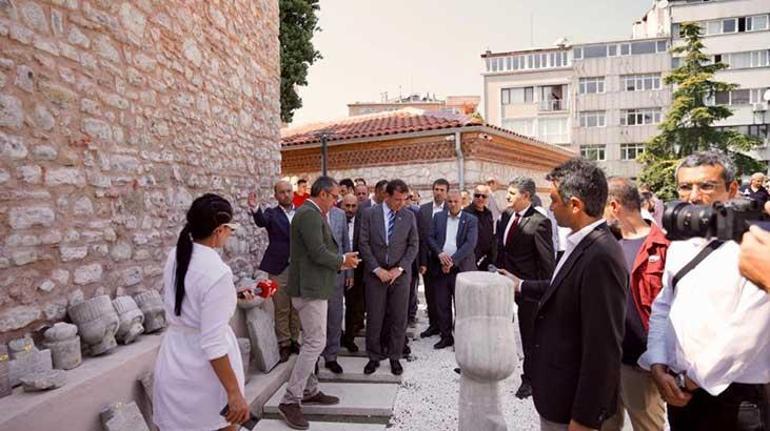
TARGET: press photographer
(708,348)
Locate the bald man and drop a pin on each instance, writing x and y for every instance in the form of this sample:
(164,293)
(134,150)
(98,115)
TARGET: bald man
(275,262)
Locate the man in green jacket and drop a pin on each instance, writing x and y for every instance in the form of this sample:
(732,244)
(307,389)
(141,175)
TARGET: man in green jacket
(314,262)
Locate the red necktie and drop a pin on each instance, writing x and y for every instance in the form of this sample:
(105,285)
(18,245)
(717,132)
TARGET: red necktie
(513,229)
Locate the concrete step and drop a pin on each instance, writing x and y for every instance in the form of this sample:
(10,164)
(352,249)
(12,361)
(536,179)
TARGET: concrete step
(260,387)
(279,425)
(353,371)
(359,402)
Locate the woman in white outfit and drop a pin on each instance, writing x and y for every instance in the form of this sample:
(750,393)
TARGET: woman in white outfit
(199,370)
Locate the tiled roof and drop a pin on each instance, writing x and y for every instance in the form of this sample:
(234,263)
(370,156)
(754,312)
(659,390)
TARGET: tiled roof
(406,120)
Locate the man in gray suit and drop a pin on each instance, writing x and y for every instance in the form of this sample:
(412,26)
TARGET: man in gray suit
(339,224)
(388,245)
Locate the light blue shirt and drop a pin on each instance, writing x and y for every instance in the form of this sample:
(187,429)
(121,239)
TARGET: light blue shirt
(450,240)
(386,211)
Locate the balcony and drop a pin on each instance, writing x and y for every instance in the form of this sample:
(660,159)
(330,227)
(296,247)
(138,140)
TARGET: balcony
(553,105)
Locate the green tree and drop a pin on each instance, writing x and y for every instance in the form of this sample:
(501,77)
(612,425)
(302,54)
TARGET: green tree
(689,124)
(298,24)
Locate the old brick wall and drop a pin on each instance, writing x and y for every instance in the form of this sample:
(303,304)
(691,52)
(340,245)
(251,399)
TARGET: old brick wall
(114,115)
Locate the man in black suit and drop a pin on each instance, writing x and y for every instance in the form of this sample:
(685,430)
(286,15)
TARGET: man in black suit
(425,226)
(388,245)
(525,248)
(354,291)
(486,245)
(377,197)
(452,245)
(574,363)
(275,262)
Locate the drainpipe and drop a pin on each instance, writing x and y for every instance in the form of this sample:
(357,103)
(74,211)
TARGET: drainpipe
(460,160)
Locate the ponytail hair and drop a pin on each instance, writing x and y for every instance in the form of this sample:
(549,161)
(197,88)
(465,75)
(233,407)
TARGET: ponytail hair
(206,214)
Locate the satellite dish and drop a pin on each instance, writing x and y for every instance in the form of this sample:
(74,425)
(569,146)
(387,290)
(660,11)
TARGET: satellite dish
(766,96)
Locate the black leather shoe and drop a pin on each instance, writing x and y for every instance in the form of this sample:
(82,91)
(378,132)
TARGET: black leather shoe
(395,367)
(524,391)
(444,342)
(295,347)
(429,332)
(284,352)
(333,366)
(371,366)
(407,350)
(350,345)
(458,370)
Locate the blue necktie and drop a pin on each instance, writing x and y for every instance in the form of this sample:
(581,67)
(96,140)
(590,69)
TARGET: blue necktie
(391,225)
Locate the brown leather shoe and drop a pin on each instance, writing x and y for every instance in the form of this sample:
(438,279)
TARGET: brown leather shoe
(321,398)
(292,415)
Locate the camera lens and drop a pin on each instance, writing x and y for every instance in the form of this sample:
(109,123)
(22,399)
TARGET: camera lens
(683,221)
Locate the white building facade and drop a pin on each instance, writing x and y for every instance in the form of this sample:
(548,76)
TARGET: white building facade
(605,100)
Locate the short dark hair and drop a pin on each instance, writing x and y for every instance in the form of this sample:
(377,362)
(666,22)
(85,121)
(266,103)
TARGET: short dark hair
(396,186)
(624,191)
(381,184)
(301,181)
(322,183)
(709,158)
(441,182)
(347,182)
(524,184)
(582,179)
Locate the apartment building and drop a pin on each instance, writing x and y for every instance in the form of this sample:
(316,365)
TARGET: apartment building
(605,100)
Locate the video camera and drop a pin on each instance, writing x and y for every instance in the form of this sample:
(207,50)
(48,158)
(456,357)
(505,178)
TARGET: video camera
(722,220)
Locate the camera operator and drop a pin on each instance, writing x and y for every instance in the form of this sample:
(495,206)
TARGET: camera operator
(754,260)
(708,348)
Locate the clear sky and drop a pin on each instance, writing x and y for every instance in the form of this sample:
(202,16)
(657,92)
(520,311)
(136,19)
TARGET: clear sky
(375,46)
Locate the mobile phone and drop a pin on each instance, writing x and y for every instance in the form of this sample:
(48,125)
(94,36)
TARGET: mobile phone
(249,424)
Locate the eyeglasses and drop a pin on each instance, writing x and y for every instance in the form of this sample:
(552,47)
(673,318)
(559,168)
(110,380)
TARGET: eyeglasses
(706,187)
(479,195)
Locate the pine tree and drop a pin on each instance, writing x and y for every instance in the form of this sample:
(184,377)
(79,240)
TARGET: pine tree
(689,124)
(298,23)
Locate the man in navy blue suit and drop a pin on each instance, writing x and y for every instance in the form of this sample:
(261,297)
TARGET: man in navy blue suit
(452,245)
(275,262)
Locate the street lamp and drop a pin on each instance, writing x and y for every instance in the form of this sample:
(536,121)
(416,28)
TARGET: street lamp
(324,136)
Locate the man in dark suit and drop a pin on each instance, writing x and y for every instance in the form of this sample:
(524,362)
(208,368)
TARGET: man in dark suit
(574,363)
(388,244)
(425,227)
(275,262)
(452,245)
(313,273)
(486,245)
(525,248)
(354,292)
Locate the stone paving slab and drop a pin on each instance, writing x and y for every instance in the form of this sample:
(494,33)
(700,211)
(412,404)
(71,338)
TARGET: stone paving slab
(359,402)
(279,425)
(354,372)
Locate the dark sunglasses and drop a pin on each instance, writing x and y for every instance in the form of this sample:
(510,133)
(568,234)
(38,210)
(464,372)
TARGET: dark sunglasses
(479,195)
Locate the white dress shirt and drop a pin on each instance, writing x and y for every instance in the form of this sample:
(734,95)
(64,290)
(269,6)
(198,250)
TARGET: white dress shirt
(715,325)
(520,214)
(572,242)
(351,226)
(450,240)
(437,208)
(554,227)
(290,213)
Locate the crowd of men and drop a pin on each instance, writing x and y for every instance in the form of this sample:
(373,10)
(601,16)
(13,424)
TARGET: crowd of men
(614,317)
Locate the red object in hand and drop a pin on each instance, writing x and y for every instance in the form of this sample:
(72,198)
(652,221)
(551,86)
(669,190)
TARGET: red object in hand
(267,288)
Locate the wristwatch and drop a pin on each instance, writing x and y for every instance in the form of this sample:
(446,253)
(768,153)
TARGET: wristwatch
(400,269)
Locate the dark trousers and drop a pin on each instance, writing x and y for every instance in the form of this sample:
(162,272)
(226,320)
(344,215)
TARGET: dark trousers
(413,284)
(526,315)
(430,301)
(740,407)
(354,310)
(382,299)
(444,292)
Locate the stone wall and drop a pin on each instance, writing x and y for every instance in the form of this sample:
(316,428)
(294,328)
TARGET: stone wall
(114,115)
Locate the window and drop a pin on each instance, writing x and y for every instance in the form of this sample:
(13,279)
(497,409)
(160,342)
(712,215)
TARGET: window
(595,51)
(639,117)
(593,152)
(625,49)
(553,97)
(641,82)
(745,60)
(591,85)
(757,23)
(646,47)
(553,130)
(613,50)
(729,26)
(737,97)
(757,95)
(524,127)
(593,119)
(662,46)
(631,151)
(577,53)
(517,96)
(759,131)
(740,97)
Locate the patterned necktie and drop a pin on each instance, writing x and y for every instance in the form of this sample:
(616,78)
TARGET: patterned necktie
(391,225)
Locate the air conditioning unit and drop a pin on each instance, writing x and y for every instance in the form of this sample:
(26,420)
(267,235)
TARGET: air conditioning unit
(760,107)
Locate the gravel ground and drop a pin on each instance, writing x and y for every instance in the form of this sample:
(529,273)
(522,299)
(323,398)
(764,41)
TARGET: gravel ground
(427,399)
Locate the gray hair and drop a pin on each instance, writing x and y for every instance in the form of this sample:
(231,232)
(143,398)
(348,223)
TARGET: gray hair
(322,183)
(582,179)
(625,192)
(524,184)
(709,158)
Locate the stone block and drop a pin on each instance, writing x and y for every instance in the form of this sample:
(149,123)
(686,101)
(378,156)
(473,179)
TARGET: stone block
(87,274)
(244,345)
(63,342)
(44,380)
(373,401)
(123,417)
(264,345)
(151,304)
(5,372)
(11,112)
(97,323)
(27,359)
(18,317)
(30,216)
(131,319)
